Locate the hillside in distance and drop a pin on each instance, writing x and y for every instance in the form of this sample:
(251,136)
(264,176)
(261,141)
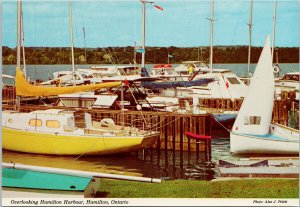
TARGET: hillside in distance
(154,55)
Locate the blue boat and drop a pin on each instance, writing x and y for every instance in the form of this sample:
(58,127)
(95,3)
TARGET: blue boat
(172,84)
(32,184)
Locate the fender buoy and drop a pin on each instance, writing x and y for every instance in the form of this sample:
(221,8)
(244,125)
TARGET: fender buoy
(276,69)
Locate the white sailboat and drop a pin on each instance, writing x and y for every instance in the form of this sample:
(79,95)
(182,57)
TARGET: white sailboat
(253,131)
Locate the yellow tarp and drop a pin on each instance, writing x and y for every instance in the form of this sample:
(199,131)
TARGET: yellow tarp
(23,88)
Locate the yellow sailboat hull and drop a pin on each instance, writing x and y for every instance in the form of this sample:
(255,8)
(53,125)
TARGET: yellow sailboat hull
(58,144)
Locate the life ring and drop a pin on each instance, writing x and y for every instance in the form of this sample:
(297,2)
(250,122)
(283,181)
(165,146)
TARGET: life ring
(276,69)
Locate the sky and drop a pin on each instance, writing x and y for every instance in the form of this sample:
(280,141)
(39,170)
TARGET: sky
(181,23)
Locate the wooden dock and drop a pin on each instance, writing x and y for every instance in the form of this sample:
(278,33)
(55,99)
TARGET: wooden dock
(172,126)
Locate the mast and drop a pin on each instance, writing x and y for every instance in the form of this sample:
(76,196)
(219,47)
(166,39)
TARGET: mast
(143,32)
(84,44)
(250,36)
(19,10)
(168,55)
(274,28)
(211,34)
(19,5)
(72,42)
(144,29)
(22,43)
(134,52)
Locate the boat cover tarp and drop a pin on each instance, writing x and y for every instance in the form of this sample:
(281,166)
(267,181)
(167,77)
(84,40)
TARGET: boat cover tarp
(23,88)
(174,84)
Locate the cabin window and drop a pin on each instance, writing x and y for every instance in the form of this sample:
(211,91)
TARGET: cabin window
(35,122)
(252,120)
(233,80)
(183,73)
(52,124)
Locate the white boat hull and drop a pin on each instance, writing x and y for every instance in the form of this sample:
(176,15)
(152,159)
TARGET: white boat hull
(247,144)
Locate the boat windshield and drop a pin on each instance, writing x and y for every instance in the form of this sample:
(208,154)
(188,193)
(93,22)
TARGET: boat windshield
(8,81)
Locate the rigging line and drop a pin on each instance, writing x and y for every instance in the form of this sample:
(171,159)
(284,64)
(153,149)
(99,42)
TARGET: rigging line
(166,118)
(83,28)
(211,115)
(228,86)
(106,51)
(113,55)
(160,121)
(138,103)
(116,56)
(170,122)
(145,98)
(112,59)
(82,154)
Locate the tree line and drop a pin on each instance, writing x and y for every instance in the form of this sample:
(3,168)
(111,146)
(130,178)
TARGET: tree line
(154,55)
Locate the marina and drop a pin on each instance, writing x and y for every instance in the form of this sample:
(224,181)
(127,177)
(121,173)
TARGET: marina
(74,126)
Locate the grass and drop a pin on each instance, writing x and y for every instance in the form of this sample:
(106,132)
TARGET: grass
(243,188)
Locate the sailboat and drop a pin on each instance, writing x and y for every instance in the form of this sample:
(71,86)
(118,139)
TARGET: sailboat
(55,131)
(253,131)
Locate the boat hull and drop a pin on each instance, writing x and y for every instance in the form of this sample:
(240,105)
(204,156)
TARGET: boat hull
(246,144)
(20,183)
(58,144)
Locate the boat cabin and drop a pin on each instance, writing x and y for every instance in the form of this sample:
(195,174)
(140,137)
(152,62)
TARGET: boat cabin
(8,80)
(87,100)
(291,77)
(51,120)
(163,70)
(189,67)
(115,70)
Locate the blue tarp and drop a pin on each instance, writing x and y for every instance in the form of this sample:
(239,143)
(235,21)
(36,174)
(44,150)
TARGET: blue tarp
(174,84)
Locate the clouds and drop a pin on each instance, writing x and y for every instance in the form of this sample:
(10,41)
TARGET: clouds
(181,23)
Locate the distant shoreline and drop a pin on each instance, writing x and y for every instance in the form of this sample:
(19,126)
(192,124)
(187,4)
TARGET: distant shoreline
(154,55)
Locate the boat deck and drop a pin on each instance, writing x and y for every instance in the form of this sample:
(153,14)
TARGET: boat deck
(270,168)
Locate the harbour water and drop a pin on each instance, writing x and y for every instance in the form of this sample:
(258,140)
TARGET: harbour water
(44,72)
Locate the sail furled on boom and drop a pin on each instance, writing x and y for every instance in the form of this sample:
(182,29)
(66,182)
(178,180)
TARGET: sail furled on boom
(23,88)
(174,84)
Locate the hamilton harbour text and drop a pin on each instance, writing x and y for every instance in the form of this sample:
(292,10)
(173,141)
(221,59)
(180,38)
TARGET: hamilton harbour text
(69,202)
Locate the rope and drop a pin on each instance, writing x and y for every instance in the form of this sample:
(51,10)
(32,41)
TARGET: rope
(107,52)
(211,115)
(167,122)
(87,149)
(118,61)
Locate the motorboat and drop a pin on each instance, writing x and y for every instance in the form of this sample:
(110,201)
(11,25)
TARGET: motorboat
(289,82)
(186,68)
